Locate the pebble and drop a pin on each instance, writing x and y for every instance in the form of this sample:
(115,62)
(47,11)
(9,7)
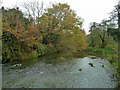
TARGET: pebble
(41,72)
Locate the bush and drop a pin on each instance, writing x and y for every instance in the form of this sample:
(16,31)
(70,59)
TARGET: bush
(51,50)
(28,54)
(13,49)
(41,50)
(10,52)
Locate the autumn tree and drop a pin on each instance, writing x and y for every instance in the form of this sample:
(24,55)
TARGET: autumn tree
(59,25)
(18,36)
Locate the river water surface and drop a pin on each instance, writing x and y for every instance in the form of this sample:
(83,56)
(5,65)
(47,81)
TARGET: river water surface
(58,73)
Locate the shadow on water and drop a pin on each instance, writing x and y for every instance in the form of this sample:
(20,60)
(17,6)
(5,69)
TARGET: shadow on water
(53,72)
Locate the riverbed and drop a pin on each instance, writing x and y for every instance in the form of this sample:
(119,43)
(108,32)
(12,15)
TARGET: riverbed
(58,73)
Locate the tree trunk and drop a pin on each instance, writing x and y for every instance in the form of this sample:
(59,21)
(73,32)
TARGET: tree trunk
(103,41)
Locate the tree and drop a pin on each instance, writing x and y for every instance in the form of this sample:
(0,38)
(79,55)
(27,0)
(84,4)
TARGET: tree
(92,28)
(13,15)
(59,25)
(115,17)
(69,43)
(18,36)
(33,10)
(99,35)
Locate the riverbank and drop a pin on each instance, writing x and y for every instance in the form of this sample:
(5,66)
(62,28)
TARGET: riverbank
(110,53)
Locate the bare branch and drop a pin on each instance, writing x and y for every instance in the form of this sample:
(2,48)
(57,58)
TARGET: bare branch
(33,10)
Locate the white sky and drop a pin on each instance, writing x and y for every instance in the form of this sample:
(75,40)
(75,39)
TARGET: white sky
(89,10)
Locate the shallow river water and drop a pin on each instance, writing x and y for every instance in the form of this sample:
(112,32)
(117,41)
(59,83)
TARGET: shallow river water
(58,73)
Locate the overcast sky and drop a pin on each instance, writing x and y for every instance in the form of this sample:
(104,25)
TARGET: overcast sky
(89,10)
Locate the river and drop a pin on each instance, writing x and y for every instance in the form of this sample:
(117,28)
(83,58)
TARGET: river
(47,72)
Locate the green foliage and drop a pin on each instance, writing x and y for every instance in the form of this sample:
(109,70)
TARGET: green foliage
(101,34)
(51,50)
(109,51)
(114,33)
(71,43)
(100,38)
(41,49)
(28,54)
(13,49)
(10,50)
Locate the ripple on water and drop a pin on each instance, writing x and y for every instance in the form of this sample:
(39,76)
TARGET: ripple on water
(62,75)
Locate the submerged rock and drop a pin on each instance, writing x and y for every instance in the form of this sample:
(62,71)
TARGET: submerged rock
(91,64)
(16,65)
(41,72)
(103,65)
(80,69)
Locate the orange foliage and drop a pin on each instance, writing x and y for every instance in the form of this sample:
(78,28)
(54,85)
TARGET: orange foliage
(31,36)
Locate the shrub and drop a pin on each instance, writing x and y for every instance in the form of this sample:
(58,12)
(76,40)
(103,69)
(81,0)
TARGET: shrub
(41,49)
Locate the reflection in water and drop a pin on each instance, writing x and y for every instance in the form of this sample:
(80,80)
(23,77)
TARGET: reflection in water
(47,72)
